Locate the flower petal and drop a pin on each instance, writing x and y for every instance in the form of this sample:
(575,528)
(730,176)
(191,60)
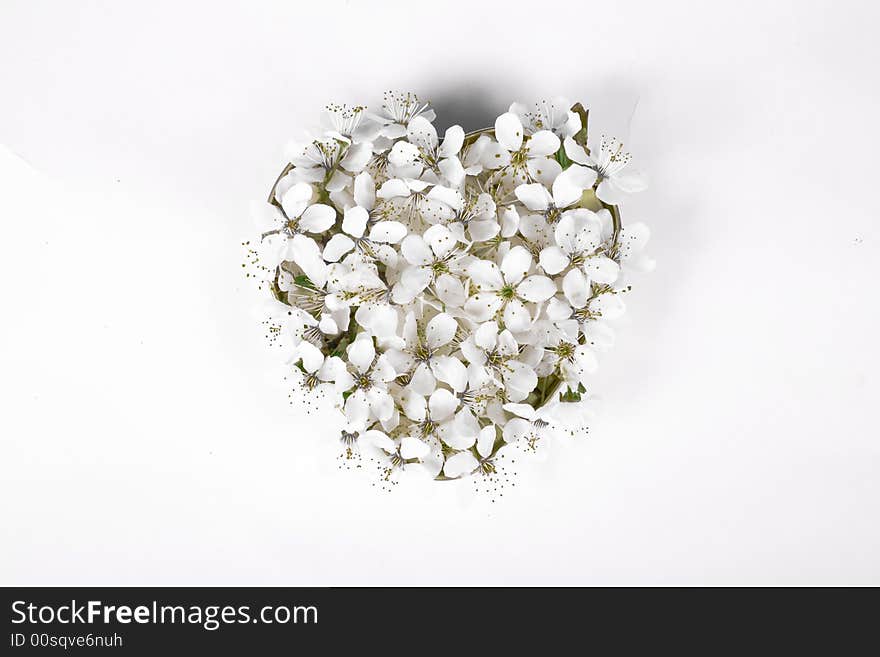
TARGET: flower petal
(536,288)
(413,448)
(378,439)
(601,269)
(414,405)
(481,231)
(575,288)
(516,316)
(483,306)
(576,152)
(317,218)
(486,335)
(361,352)
(388,232)
(365,190)
(451,371)
(509,221)
(414,280)
(307,254)
(485,275)
(609,305)
(459,464)
(515,265)
(416,250)
(295,199)
(440,239)
(357,409)
(423,381)
(534,227)
(453,139)
(393,188)
(544,170)
(381,404)
(557,310)
(384,370)
(452,170)
(422,133)
(509,131)
(440,330)
(516,429)
(357,156)
(447,195)
(543,143)
(354,221)
(519,380)
(312,358)
(534,196)
(450,290)
(522,410)
(442,405)
(404,154)
(630,181)
(571,183)
(553,260)
(585,359)
(495,156)
(598,335)
(486,440)
(337,247)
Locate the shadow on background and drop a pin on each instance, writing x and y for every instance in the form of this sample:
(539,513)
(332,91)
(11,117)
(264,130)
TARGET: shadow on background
(472,104)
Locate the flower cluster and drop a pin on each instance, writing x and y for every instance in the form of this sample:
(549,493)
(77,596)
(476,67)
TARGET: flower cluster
(449,294)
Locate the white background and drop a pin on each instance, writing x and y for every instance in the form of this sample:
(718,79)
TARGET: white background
(146,435)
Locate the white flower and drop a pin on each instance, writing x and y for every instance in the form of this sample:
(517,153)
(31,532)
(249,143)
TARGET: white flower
(375,312)
(572,360)
(554,115)
(422,357)
(284,232)
(434,415)
(476,221)
(567,187)
(459,306)
(578,236)
(526,158)
(349,123)
(505,289)
(579,293)
(493,356)
(534,426)
(410,201)
(326,159)
(429,257)
(397,110)
(329,308)
(354,224)
(369,375)
(401,453)
(424,151)
(616,179)
(465,462)
(320,373)
(528,424)
(586,312)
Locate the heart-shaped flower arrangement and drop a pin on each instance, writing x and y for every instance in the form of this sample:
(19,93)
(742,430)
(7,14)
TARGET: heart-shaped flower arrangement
(449,295)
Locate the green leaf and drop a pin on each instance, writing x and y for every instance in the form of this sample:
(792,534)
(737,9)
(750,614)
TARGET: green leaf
(580,137)
(562,158)
(570,396)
